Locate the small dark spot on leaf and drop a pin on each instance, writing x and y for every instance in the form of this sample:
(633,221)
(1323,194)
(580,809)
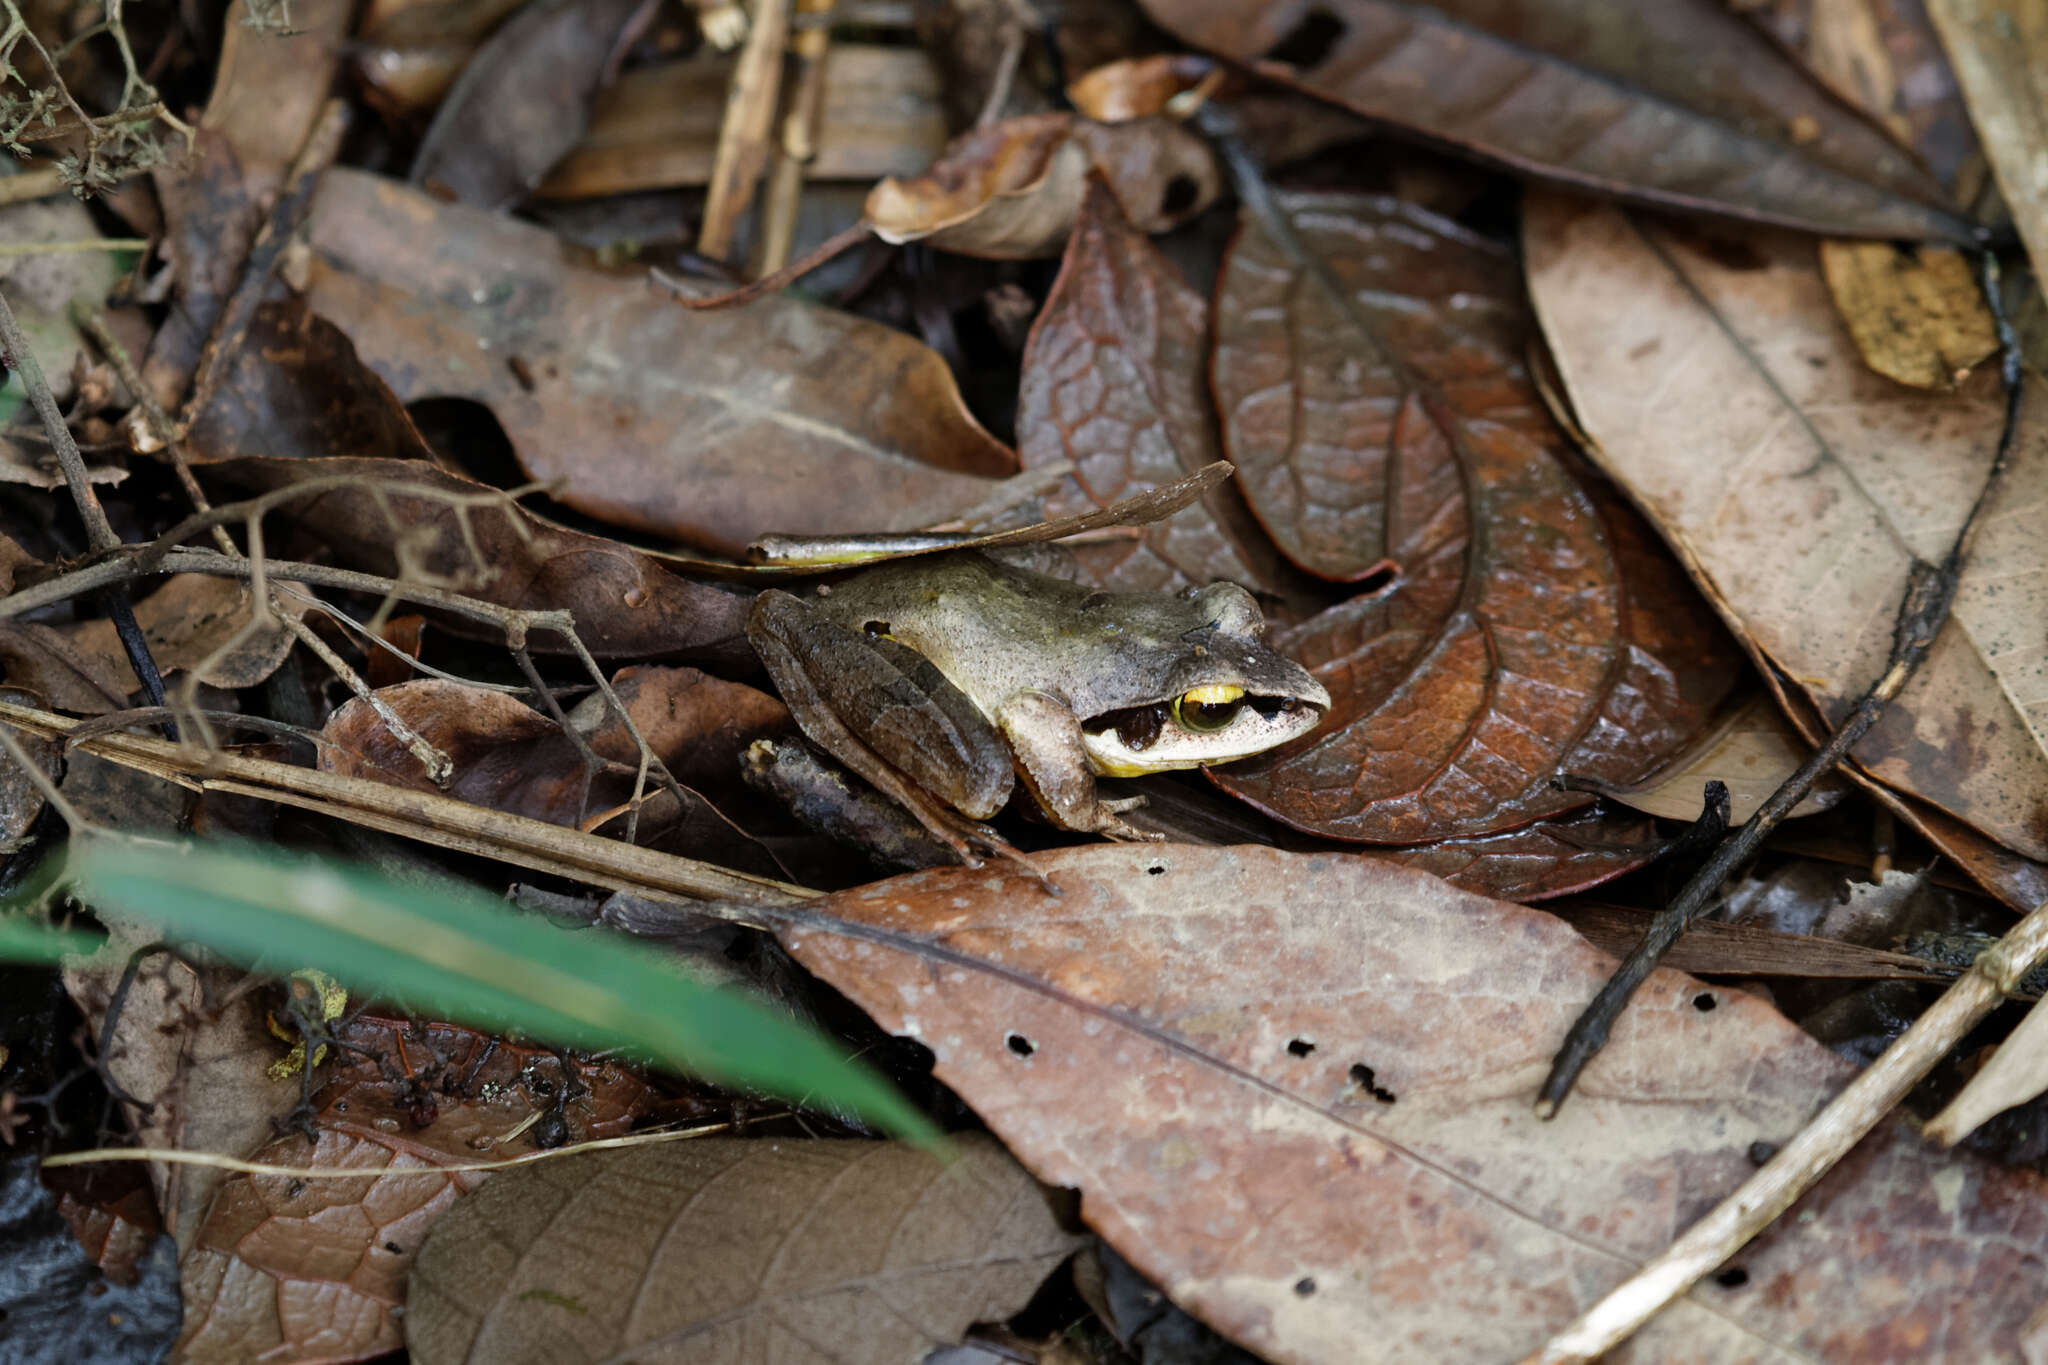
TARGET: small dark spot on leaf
(1310,41)
(1704,1001)
(1020,1045)
(1301,1047)
(1305,1286)
(1734,1277)
(394,1248)
(1362,1077)
(1156,870)
(1179,196)
(1760,1152)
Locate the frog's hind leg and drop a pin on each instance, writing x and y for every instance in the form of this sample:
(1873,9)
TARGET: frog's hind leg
(858,704)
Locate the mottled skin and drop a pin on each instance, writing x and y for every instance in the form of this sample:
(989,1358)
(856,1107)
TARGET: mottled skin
(956,669)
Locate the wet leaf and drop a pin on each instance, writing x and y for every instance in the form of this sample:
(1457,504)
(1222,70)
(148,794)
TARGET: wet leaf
(1295,1092)
(522,101)
(1680,103)
(2000,51)
(1572,852)
(1725,396)
(761,1251)
(861,426)
(1374,393)
(1114,382)
(1916,315)
(57,1308)
(316,1269)
(1014,189)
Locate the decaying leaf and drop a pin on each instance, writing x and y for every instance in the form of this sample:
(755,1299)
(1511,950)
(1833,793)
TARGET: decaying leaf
(1113,382)
(443,300)
(1724,395)
(2000,52)
(522,101)
(859,1253)
(1680,102)
(1013,190)
(1295,1092)
(1916,315)
(314,1270)
(1373,389)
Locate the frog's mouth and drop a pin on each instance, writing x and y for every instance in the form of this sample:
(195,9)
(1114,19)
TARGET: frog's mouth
(1204,726)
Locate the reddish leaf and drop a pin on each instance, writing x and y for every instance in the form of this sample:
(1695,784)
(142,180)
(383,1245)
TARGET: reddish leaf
(1295,1092)
(1553,857)
(1376,396)
(1113,382)
(710,427)
(1677,102)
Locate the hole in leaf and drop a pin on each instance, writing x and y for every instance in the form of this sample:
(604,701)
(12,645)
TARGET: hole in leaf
(1734,1277)
(1179,196)
(1301,1047)
(1310,41)
(1362,1077)
(1305,1286)
(1760,1152)
(1020,1045)
(1156,870)
(1704,1001)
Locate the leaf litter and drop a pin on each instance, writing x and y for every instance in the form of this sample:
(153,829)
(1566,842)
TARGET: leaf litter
(1206,1042)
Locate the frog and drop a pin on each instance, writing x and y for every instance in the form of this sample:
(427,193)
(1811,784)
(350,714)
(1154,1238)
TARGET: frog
(946,680)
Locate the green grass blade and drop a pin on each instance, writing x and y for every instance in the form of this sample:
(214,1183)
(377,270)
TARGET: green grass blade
(473,959)
(23,939)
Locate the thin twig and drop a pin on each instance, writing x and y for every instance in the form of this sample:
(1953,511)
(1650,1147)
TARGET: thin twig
(1806,1158)
(1930,591)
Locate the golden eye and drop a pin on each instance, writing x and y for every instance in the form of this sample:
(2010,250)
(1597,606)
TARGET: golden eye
(1203,709)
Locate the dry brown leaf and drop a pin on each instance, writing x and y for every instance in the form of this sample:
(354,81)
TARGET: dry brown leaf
(82,667)
(1916,315)
(2000,52)
(1752,749)
(287,1270)
(716,427)
(2015,1074)
(1013,190)
(1137,87)
(1678,102)
(1724,395)
(764,1252)
(521,101)
(1295,1092)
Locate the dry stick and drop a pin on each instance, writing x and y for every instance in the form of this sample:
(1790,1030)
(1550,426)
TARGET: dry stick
(1930,590)
(99,533)
(1847,1118)
(427,817)
(743,134)
(799,145)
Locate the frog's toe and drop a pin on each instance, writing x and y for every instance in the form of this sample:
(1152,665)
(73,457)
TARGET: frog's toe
(1117,805)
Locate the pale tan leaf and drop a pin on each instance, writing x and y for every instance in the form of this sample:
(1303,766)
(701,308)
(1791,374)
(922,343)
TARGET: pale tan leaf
(2000,52)
(1753,749)
(729,1251)
(1295,1091)
(2016,1073)
(1723,393)
(1917,315)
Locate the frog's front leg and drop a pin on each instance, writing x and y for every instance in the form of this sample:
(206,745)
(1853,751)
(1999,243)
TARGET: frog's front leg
(1045,740)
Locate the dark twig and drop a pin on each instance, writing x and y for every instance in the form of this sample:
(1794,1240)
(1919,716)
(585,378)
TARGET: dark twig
(1930,590)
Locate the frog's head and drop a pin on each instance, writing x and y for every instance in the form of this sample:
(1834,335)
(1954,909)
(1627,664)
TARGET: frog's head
(1214,690)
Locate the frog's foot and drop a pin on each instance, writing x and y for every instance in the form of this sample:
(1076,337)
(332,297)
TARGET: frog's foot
(1114,827)
(1117,805)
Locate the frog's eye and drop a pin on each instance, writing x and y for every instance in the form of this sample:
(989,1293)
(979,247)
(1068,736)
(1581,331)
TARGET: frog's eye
(1202,709)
